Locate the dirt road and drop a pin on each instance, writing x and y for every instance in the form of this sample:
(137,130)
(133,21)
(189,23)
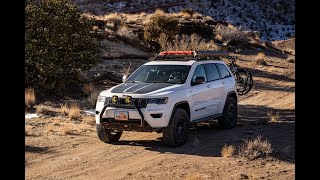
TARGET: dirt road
(50,155)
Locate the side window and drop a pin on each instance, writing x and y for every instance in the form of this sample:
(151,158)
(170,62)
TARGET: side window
(212,72)
(199,71)
(224,73)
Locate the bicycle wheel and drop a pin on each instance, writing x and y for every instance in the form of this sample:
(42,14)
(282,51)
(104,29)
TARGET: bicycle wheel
(244,81)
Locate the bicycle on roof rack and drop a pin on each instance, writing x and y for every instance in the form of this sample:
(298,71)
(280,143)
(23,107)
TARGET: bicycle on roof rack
(242,75)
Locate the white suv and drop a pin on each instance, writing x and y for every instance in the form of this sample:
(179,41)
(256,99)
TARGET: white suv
(167,95)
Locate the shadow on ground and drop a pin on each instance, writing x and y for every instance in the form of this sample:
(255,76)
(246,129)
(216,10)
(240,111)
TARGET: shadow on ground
(33,149)
(208,141)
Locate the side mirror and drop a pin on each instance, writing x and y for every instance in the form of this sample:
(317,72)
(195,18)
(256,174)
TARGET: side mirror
(124,78)
(198,80)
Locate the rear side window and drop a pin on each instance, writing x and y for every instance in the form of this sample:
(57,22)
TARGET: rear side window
(212,72)
(224,73)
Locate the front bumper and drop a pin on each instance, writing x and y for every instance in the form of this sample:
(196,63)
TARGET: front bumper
(152,117)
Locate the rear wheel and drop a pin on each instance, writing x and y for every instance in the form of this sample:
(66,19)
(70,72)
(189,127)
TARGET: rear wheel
(177,131)
(230,114)
(106,135)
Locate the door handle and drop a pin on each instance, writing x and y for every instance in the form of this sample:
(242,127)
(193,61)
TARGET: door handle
(223,82)
(208,86)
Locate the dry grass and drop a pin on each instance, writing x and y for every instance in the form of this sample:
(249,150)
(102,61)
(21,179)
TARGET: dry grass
(125,32)
(114,20)
(28,130)
(273,117)
(260,59)
(49,128)
(88,88)
(43,110)
(56,122)
(227,151)
(67,129)
(64,109)
(89,120)
(74,111)
(194,177)
(185,42)
(30,97)
(255,148)
(92,99)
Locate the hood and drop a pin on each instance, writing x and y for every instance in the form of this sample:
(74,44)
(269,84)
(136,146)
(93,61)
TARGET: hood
(140,88)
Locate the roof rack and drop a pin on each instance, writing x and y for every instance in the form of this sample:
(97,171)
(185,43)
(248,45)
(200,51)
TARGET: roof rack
(190,55)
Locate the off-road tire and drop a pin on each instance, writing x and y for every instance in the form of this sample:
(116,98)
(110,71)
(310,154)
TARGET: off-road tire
(106,135)
(230,114)
(177,132)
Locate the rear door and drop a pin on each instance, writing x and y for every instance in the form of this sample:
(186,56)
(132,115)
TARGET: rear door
(216,88)
(227,82)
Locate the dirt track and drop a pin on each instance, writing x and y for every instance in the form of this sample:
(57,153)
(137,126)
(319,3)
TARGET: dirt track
(143,156)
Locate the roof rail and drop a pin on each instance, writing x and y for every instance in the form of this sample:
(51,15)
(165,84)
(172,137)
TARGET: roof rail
(190,55)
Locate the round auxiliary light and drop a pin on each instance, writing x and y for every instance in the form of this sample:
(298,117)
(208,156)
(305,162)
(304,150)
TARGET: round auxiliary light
(114,99)
(128,99)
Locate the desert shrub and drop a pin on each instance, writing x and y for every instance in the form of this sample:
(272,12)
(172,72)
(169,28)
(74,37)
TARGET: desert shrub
(88,88)
(67,129)
(114,20)
(125,32)
(59,44)
(64,109)
(89,120)
(188,11)
(232,36)
(227,151)
(29,98)
(260,59)
(74,111)
(185,42)
(40,109)
(255,148)
(158,23)
(273,117)
(92,98)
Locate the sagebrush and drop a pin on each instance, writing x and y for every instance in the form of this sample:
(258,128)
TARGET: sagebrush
(255,148)
(185,42)
(158,23)
(227,151)
(74,111)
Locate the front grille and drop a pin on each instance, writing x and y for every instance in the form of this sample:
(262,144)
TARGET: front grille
(141,103)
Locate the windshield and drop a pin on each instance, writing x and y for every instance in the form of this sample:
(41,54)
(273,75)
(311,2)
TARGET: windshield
(174,74)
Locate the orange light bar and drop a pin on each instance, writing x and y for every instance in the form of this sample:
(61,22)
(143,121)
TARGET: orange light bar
(164,53)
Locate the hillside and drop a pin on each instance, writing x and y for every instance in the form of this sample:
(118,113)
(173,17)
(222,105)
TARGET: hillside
(274,19)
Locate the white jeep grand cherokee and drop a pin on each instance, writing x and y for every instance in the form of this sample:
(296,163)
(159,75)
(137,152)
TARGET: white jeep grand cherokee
(167,95)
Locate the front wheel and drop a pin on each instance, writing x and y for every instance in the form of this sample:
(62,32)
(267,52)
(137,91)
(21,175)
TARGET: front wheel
(106,135)
(177,131)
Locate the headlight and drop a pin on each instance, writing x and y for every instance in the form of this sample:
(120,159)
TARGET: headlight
(101,98)
(158,100)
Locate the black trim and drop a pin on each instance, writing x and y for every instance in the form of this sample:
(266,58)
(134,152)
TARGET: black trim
(207,118)
(200,109)
(231,92)
(134,106)
(128,125)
